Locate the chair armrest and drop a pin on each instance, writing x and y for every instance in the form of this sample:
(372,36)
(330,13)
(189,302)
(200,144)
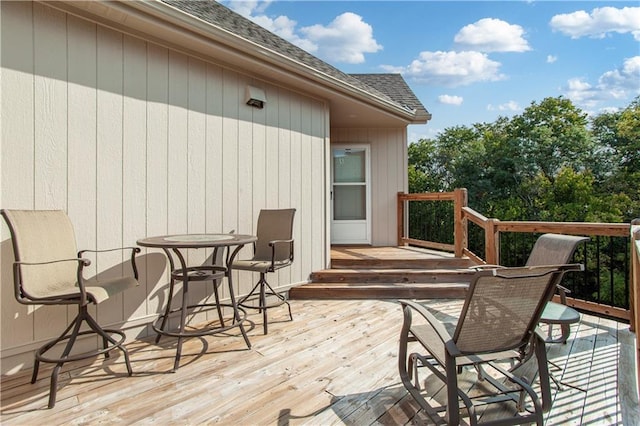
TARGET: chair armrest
(134,251)
(485,266)
(273,244)
(17,277)
(435,323)
(85,262)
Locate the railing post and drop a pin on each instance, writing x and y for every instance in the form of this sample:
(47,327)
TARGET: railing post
(492,242)
(400,219)
(634,289)
(460,230)
(634,277)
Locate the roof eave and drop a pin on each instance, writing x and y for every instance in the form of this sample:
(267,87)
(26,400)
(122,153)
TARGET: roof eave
(164,24)
(276,59)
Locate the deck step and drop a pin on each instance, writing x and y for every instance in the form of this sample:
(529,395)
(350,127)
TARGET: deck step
(392,275)
(388,273)
(379,291)
(364,263)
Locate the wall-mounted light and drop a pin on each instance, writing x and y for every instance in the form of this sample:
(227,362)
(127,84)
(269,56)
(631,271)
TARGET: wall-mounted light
(255,97)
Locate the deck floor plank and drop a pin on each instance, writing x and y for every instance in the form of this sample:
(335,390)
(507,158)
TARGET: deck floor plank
(569,402)
(335,363)
(601,400)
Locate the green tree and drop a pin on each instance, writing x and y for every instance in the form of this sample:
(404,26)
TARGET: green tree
(544,164)
(617,169)
(424,173)
(549,136)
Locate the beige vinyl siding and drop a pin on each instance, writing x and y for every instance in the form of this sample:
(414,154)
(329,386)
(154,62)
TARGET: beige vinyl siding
(388,175)
(133,139)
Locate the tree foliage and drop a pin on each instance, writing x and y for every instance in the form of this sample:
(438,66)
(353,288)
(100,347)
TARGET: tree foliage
(551,163)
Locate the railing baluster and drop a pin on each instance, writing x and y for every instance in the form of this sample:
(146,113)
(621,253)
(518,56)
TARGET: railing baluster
(598,267)
(612,265)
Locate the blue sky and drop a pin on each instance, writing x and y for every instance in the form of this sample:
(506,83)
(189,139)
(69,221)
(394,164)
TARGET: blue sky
(473,61)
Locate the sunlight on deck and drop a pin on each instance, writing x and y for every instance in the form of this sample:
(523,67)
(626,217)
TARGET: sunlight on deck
(335,363)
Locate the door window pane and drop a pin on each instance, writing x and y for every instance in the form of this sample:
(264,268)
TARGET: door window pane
(349,165)
(349,202)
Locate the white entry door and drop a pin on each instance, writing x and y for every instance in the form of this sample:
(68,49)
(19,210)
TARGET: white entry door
(350,194)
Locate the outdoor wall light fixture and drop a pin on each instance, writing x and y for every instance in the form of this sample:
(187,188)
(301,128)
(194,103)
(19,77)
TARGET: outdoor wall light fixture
(255,97)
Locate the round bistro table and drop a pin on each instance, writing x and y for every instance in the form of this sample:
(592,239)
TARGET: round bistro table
(186,274)
(562,315)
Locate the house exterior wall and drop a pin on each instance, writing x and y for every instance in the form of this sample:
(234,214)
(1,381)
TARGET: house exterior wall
(388,175)
(132,140)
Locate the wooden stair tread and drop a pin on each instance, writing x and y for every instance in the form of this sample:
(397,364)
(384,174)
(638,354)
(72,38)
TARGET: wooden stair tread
(392,275)
(463,285)
(388,272)
(379,291)
(399,263)
(455,271)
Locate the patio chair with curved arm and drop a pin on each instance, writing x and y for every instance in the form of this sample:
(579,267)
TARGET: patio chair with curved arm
(554,249)
(272,251)
(497,323)
(551,249)
(48,270)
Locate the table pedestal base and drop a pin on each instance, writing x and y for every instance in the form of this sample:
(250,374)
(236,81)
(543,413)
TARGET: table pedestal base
(199,273)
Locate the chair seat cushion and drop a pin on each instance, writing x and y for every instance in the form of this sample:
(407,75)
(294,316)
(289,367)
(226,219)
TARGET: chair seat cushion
(428,337)
(99,291)
(262,266)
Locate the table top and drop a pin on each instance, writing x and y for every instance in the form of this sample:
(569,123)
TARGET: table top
(196,240)
(557,313)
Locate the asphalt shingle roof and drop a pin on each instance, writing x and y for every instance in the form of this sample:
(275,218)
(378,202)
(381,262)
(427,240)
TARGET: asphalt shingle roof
(387,86)
(394,86)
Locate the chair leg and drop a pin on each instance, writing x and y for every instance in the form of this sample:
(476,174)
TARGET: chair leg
(279,296)
(264,289)
(46,347)
(53,387)
(453,410)
(107,338)
(263,303)
(71,334)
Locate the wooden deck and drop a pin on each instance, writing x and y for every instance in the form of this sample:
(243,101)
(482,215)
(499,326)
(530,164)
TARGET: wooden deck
(335,363)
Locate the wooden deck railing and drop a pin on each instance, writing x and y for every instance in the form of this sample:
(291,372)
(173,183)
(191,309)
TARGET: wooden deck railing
(492,229)
(635,287)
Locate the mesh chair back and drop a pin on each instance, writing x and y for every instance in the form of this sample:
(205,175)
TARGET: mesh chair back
(554,249)
(274,225)
(44,236)
(503,307)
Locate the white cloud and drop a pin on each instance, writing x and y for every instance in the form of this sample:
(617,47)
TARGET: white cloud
(451,69)
(551,59)
(450,100)
(285,28)
(492,35)
(619,84)
(511,106)
(346,39)
(422,131)
(609,110)
(599,22)
(247,8)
